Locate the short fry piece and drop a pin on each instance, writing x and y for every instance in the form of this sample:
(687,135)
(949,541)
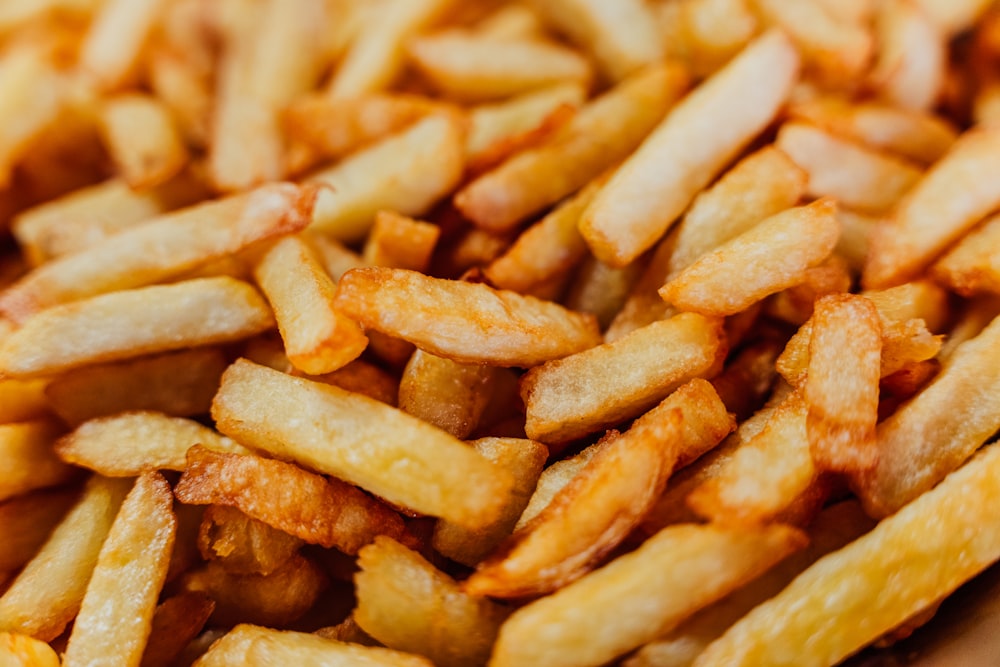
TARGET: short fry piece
(445,393)
(400,242)
(143,140)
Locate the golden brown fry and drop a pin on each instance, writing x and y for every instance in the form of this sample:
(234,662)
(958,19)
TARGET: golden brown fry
(602,290)
(913,56)
(400,242)
(27,458)
(22,400)
(17,650)
(176,621)
(973,263)
(112,47)
(143,140)
(748,378)
(26,523)
(243,544)
(706,33)
(365,378)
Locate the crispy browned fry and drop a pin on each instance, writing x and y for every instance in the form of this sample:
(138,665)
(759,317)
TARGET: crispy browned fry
(117,610)
(27,458)
(747,378)
(842,383)
(710,126)
(855,176)
(317,509)
(154,442)
(605,385)
(445,393)
(931,217)
(761,261)
(131,323)
(113,44)
(46,595)
(913,56)
(590,516)
(143,140)
(17,650)
(938,429)
(975,317)
(243,544)
(973,264)
(400,242)
(276,599)
(26,523)
(365,378)
(795,304)
(176,621)
(884,577)
(163,247)
(408,604)
(22,400)
(668,578)
(601,134)
(466,322)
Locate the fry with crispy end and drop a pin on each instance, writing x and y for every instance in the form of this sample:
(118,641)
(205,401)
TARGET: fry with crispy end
(17,650)
(27,521)
(316,509)
(764,260)
(46,595)
(114,41)
(318,338)
(155,442)
(710,126)
(117,611)
(590,516)
(163,247)
(408,604)
(465,322)
(130,323)
(605,385)
(253,645)
(842,383)
(27,458)
(243,544)
(930,217)
(176,621)
(885,577)
(671,576)
(938,429)
(143,140)
(603,132)
(973,263)
(913,56)
(361,441)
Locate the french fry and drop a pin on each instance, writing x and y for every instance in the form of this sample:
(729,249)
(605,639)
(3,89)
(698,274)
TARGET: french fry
(953,17)
(111,49)
(511,22)
(400,242)
(761,261)
(602,290)
(176,621)
(977,315)
(185,88)
(143,139)
(27,458)
(601,134)
(134,557)
(633,211)
(157,442)
(706,33)
(316,509)
(468,490)
(21,650)
(47,593)
(22,400)
(365,378)
(748,378)
(472,322)
(671,576)
(972,265)
(130,323)
(408,604)
(243,544)
(600,387)
(27,521)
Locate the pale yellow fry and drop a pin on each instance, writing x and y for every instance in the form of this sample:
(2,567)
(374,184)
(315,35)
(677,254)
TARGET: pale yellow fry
(709,127)
(602,290)
(600,134)
(131,323)
(602,386)
(932,216)
(17,650)
(671,576)
(408,604)
(511,22)
(769,257)
(466,322)
(318,338)
(255,646)
(27,458)
(163,247)
(973,263)
(939,429)
(899,568)
(46,595)
(361,441)
(155,442)
(855,176)
(116,614)
(115,39)
(406,172)
(143,140)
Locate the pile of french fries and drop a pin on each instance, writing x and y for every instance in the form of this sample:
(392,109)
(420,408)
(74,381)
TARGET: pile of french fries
(509,333)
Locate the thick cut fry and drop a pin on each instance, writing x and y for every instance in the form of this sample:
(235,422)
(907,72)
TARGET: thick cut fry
(117,611)
(973,264)
(144,142)
(400,242)
(602,133)
(857,177)
(365,378)
(318,338)
(256,646)
(590,516)
(17,650)
(884,577)
(243,544)
(766,259)
(176,621)
(671,576)
(180,384)
(842,384)
(27,458)
(154,442)
(131,323)
(163,247)
(466,322)
(406,172)
(913,56)
(361,441)
(27,521)
(316,509)
(113,44)
(46,595)
(408,604)
(605,385)
(931,217)
(939,429)
(709,127)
